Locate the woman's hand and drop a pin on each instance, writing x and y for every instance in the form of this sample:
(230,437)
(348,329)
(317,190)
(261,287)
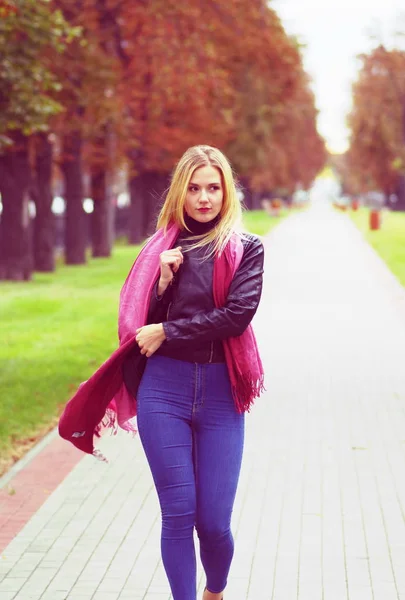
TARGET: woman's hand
(150,338)
(170,262)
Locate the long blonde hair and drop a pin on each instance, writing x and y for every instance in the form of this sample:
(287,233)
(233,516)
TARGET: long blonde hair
(230,220)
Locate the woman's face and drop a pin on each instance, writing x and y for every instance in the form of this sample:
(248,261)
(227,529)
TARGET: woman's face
(205,194)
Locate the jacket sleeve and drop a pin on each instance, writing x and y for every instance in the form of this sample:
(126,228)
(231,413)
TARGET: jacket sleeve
(232,319)
(158,305)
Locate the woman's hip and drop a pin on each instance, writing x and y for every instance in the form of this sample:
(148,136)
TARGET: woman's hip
(186,386)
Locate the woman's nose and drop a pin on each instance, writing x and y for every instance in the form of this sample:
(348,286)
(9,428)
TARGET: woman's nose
(204,195)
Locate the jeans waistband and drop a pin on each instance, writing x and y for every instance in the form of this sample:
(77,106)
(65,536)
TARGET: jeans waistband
(208,352)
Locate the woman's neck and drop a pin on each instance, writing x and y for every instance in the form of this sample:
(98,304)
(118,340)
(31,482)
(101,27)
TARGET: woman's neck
(198,228)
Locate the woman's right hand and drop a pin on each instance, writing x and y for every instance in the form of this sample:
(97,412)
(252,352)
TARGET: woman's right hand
(170,261)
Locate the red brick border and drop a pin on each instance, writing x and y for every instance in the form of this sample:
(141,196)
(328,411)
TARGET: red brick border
(28,489)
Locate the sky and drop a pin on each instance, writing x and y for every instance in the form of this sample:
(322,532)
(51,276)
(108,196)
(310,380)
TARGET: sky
(334,34)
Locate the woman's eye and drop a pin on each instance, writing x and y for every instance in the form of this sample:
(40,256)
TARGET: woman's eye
(212,188)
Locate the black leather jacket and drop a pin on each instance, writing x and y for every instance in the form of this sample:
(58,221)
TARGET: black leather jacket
(194,327)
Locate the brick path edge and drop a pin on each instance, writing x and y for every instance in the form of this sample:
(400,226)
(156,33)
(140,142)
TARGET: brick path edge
(26,486)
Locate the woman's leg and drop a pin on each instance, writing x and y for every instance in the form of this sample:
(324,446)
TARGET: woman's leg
(164,423)
(219,435)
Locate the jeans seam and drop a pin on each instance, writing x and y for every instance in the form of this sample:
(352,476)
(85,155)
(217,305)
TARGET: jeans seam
(195,387)
(195,453)
(203,383)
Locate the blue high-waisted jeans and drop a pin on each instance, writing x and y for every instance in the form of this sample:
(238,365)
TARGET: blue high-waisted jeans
(193,439)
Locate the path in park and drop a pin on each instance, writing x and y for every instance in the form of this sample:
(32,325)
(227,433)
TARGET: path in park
(320,511)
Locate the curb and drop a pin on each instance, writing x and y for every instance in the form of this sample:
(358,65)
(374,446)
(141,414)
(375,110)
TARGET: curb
(33,479)
(28,457)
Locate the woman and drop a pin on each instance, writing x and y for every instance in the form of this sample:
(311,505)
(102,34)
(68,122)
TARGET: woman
(192,372)
(203,370)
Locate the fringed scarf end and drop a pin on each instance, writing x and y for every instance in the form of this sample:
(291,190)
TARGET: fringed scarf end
(99,455)
(246,389)
(109,421)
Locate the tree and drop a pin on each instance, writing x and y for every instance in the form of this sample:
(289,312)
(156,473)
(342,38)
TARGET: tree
(142,81)
(297,151)
(90,76)
(41,194)
(277,146)
(27,31)
(377,145)
(199,73)
(176,92)
(105,149)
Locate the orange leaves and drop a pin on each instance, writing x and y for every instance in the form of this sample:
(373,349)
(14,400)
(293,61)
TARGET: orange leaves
(168,74)
(176,86)
(7,8)
(90,73)
(377,121)
(277,145)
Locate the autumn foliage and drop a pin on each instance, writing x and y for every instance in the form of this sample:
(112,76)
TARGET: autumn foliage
(376,158)
(137,82)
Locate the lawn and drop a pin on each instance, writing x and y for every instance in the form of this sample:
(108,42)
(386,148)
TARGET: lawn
(388,241)
(55,331)
(259,222)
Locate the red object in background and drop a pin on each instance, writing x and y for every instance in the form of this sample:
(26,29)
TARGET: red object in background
(355,205)
(375,219)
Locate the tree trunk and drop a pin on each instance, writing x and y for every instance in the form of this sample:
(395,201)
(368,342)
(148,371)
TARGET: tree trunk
(136,210)
(16,262)
(146,192)
(400,193)
(102,218)
(256,203)
(75,217)
(44,222)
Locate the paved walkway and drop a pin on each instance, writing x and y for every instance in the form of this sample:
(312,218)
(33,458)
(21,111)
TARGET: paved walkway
(320,511)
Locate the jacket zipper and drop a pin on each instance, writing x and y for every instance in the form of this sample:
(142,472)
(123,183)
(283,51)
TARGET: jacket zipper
(168,308)
(212,352)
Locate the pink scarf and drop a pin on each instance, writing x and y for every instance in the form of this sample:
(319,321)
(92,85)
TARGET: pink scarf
(103,400)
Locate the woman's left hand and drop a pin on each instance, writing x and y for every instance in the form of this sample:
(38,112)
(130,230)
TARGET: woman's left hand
(150,338)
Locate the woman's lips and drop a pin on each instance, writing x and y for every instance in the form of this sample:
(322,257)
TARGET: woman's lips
(203,210)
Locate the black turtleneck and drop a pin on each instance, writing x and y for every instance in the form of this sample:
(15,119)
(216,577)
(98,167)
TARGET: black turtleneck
(197,228)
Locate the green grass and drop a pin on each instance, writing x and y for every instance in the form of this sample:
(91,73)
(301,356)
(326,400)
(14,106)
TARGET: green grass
(55,331)
(259,222)
(388,241)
